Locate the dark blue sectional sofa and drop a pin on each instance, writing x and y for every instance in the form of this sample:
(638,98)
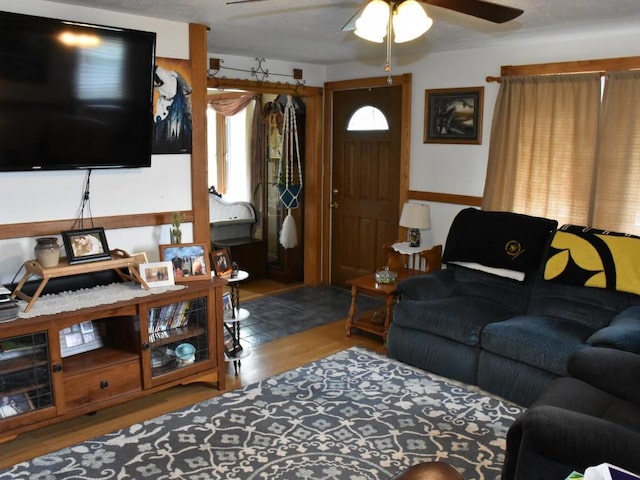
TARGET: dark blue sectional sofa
(516,299)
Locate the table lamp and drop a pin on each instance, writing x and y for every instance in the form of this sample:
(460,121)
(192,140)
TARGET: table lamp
(415,216)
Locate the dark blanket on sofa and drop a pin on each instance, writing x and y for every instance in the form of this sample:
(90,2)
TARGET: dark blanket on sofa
(498,239)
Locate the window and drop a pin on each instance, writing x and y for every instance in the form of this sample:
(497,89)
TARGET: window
(561,149)
(229,153)
(367,118)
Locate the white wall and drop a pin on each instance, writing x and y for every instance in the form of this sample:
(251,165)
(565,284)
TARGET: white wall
(460,169)
(39,196)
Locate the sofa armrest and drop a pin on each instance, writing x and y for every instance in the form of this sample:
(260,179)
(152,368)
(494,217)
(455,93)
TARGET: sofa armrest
(622,333)
(547,438)
(427,287)
(614,371)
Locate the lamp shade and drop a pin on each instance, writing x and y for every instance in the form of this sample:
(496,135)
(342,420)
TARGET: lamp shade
(415,215)
(372,23)
(410,21)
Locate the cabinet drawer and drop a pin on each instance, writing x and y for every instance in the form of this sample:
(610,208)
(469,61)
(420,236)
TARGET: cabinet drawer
(102,384)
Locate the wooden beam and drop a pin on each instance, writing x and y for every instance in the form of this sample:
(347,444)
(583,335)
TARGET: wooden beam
(264,87)
(54,227)
(445,198)
(601,66)
(199,155)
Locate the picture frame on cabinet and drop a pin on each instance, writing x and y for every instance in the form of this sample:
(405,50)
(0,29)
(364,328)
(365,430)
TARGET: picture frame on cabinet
(79,338)
(157,274)
(189,261)
(139,257)
(87,245)
(453,115)
(11,405)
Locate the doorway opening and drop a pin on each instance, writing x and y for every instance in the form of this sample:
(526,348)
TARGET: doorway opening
(246,166)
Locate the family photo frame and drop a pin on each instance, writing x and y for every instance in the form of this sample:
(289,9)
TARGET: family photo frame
(157,274)
(189,261)
(88,245)
(453,115)
(221,262)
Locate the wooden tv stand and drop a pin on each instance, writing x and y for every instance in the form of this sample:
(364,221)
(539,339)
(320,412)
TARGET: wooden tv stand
(55,367)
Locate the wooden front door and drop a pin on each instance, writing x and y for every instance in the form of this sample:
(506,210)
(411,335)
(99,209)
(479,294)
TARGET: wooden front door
(365,187)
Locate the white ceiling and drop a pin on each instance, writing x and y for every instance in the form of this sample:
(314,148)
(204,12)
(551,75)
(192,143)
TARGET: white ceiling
(310,31)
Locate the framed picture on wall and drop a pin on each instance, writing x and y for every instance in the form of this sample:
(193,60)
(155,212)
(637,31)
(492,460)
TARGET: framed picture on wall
(453,115)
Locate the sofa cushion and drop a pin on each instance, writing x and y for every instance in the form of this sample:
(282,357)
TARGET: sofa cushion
(578,396)
(594,307)
(622,333)
(543,342)
(594,258)
(457,318)
(505,240)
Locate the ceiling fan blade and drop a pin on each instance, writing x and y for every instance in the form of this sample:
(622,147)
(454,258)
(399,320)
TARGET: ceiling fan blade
(479,8)
(243,1)
(351,23)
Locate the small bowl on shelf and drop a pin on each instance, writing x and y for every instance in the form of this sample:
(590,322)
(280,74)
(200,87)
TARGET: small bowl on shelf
(185,354)
(386,276)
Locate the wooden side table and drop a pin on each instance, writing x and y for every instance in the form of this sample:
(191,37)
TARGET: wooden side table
(368,284)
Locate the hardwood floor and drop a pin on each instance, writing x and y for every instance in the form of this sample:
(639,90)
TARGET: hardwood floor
(266,360)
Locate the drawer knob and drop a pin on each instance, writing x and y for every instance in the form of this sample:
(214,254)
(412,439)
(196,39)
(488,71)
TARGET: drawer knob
(57,368)
(145,346)
(104,384)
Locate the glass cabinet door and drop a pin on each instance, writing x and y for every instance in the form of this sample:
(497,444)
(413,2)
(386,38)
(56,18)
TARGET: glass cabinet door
(25,378)
(178,338)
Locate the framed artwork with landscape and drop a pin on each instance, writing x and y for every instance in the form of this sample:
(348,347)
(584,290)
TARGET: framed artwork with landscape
(188,260)
(453,115)
(87,245)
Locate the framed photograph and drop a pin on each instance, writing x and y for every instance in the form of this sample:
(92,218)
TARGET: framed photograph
(80,338)
(189,261)
(221,262)
(227,306)
(139,257)
(157,274)
(87,245)
(11,405)
(453,115)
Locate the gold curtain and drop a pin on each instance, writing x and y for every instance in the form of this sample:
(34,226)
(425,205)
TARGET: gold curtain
(543,146)
(617,199)
(230,106)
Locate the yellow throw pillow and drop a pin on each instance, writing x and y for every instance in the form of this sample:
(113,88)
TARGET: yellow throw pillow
(594,258)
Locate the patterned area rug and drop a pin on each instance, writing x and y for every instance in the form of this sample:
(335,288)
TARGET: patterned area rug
(355,415)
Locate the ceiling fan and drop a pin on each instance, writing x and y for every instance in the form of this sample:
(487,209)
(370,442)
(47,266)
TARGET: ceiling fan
(377,19)
(492,12)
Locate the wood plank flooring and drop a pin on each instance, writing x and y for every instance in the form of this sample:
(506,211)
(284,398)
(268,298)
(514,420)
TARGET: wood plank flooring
(266,360)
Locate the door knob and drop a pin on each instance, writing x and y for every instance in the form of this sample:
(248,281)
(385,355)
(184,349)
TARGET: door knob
(334,205)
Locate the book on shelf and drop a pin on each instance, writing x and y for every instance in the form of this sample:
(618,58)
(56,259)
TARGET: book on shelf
(168,317)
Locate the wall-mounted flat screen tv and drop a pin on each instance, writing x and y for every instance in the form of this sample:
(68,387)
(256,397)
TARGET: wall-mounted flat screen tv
(74,95)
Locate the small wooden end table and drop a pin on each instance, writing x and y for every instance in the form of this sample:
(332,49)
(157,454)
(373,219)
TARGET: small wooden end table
(368,284)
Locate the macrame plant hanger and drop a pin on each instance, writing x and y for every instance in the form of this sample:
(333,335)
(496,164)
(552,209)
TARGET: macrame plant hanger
(290,191)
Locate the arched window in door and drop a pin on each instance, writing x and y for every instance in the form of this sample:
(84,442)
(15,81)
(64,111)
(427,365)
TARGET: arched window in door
(367,118)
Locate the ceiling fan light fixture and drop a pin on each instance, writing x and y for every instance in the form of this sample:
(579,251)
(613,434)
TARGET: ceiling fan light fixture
(372,24)
(410,21)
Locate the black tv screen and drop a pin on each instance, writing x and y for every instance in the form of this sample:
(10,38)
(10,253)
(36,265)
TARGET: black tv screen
(74,95)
